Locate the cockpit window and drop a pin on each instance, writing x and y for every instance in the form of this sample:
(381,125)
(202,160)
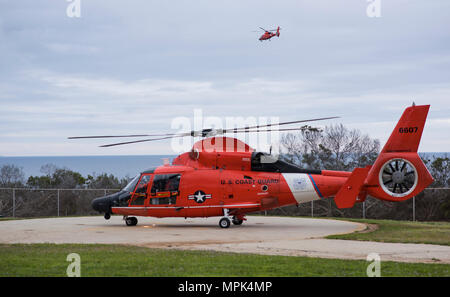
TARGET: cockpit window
(140,193)
(132,184)
(143,185)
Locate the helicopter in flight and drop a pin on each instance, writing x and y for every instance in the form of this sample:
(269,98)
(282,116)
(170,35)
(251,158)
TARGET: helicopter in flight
(268,34)
(224,177)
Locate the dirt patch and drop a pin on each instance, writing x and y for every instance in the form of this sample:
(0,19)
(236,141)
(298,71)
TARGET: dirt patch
(369,228)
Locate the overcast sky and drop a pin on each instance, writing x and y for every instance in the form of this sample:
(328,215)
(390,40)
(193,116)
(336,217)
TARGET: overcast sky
(127,67)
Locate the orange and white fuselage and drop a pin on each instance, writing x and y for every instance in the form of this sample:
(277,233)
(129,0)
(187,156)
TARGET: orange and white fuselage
(231,190)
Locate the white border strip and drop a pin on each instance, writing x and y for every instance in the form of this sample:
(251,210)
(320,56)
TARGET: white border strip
(174,207)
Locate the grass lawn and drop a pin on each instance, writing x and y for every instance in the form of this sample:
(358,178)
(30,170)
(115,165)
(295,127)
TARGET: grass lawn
(121,260)
(402,231)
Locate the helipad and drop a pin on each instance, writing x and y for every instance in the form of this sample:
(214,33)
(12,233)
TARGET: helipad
(260,235)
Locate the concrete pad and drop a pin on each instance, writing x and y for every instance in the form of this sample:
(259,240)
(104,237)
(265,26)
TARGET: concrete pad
(261,235)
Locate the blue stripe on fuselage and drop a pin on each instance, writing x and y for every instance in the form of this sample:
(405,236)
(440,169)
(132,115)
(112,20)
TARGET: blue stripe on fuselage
(315,186)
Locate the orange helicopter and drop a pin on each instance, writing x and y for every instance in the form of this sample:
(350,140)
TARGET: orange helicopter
(224,177)
(269,33)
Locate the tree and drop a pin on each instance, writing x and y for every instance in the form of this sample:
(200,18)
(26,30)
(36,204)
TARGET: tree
(105,181)
(439,168)
(11,176)
(336,148)
(56,178)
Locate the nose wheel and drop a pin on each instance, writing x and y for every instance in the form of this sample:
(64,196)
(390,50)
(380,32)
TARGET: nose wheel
(131,221)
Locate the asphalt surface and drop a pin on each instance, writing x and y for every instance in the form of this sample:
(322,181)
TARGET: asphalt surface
(260,235)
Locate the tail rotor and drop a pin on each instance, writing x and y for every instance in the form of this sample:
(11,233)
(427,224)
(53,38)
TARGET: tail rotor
(398,177)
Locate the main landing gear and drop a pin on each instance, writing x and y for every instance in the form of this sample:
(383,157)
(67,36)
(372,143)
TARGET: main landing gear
(225,222)
(237,221)
(130,221)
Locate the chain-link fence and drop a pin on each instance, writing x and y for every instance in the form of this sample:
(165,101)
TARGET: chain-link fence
(431,204)
(25,202)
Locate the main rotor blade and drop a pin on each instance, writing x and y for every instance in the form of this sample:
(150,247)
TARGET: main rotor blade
(143,140)
(279,124)
(116,136)
(189,134)
(204,132)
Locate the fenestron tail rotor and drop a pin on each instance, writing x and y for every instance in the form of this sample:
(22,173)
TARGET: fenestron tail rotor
(209,132)
(398,177)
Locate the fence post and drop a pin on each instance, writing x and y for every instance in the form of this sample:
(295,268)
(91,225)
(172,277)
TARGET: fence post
(364,209)
(105,192)
(58,201)
(14,203)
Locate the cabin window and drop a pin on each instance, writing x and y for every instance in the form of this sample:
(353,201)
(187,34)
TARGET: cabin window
(268,163)
(165,189)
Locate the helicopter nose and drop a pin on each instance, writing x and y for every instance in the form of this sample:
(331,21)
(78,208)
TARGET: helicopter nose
(102,204)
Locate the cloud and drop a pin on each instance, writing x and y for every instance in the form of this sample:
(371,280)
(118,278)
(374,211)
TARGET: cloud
(86,105)
(133,68)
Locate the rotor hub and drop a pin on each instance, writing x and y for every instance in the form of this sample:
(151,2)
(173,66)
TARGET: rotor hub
(398,177)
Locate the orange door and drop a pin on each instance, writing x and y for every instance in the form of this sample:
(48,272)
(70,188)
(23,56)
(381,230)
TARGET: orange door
(140,195)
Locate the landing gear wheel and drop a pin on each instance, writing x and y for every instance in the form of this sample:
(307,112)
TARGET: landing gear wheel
(224,223)
(237,221)
(131,221)
(107,216)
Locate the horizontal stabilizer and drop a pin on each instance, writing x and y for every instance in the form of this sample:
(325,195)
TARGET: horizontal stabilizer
(347,195)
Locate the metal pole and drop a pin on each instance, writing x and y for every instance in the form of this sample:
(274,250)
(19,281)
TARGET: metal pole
(14,203)
(312,208)
(364,209)
(58,200)
(414,208)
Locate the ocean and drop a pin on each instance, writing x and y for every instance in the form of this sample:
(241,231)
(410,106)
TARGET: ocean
(119,166)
